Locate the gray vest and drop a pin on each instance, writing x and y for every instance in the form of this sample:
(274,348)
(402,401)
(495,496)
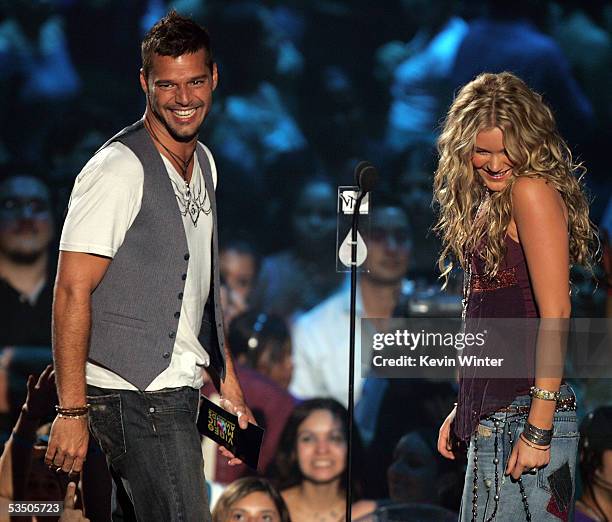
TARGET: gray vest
(136,307)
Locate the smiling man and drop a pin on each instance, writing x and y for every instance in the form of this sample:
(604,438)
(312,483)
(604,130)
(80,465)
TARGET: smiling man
(137,312)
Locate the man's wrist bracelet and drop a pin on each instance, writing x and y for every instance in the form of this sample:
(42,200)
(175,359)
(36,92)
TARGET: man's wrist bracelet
(79,411)
(545,395)
(64,416)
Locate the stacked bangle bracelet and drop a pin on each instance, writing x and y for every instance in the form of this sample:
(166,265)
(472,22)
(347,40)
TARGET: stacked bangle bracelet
(534,446)
(537,436)
(72,413)
(545,395)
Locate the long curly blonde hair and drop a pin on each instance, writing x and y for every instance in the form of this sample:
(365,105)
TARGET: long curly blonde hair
(534,147)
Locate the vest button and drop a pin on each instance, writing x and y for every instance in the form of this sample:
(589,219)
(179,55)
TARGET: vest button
(151,410)
(180,296)
(166,355)
(186,256)
(183,277)
(177,315)
(171,335)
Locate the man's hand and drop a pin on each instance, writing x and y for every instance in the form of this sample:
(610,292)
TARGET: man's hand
(445,447)
(41,394)
(70,514)
(525,459)
(68,442)
(238,407)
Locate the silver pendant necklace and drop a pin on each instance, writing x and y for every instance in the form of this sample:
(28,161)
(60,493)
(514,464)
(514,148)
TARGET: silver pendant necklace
(189,203)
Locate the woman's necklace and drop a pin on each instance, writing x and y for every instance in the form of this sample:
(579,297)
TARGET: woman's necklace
(467,277)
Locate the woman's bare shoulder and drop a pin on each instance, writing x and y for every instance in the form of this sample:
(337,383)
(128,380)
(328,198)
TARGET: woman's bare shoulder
(533,194)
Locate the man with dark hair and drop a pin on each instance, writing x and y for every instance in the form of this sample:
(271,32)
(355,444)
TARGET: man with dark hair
(26,231)
(137,312)
(321,335)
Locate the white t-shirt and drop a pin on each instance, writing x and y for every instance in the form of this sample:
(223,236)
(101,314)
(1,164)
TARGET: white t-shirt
(105,200)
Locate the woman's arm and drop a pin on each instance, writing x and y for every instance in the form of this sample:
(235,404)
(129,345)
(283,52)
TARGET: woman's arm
(540,217)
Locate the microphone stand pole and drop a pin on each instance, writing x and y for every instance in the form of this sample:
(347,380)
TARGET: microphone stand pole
(351,391)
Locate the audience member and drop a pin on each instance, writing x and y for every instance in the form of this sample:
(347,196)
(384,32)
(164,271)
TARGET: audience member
(321,336)
(251,499)
(595,504)
(421,486)
(26,231)
(26,287)
(262,342)
(238,267)
(296,279)
(261,348)
(412,182)
(311,461)
(419,475)
(23,475)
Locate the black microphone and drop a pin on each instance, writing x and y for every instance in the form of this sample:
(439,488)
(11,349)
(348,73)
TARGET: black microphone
(366,176)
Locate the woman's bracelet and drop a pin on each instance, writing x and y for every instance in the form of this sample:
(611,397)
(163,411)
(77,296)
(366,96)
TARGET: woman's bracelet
(545,395)
(538,436)
(534,446)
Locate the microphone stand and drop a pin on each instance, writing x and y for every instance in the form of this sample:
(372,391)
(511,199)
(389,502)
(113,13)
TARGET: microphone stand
(351,390)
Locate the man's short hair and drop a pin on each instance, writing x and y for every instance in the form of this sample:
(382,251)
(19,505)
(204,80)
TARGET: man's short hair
(175,35)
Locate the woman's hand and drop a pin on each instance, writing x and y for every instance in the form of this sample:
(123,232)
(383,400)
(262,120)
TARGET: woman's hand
(524,459)
(445,446)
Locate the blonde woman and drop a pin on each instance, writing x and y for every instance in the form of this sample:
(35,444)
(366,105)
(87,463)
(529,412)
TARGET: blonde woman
(513,215)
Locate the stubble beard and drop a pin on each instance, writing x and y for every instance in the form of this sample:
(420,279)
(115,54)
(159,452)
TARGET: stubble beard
(169,129)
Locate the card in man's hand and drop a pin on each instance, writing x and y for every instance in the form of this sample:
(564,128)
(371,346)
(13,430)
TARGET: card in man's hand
(222,427)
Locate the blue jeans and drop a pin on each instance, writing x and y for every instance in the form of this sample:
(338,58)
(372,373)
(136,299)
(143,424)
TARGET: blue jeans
(152,444)
(549,492)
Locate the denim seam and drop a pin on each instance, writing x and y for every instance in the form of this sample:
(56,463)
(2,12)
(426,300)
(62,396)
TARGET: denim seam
(169,471)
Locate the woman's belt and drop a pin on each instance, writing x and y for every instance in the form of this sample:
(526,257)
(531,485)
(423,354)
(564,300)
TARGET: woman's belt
(564,404)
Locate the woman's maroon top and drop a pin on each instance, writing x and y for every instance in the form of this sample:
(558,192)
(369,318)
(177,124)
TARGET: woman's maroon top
(507,295)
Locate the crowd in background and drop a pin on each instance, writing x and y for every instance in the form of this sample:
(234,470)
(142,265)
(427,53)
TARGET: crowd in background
(306,90)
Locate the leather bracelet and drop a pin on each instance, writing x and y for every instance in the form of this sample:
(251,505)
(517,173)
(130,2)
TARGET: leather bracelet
(534,446)
(64,416)
(72,412)
(545,395)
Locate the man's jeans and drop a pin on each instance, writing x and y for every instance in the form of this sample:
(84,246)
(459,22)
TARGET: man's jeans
(549,492)
(151,441)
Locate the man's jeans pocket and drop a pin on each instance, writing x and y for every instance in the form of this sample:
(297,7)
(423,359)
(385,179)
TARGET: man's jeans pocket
(106,424)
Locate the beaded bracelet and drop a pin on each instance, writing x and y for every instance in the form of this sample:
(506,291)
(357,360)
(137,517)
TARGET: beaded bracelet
(545,395)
